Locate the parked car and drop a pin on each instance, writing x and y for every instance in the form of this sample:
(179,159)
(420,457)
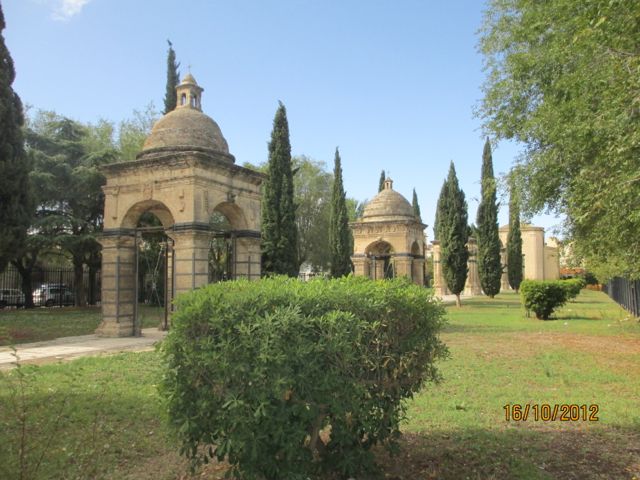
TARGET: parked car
(50,294)
(11,297)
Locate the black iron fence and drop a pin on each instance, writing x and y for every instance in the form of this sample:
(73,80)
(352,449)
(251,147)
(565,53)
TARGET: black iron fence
(626,293)
(11,279)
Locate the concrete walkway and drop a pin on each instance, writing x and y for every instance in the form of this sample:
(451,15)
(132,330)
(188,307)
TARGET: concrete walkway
(67,348)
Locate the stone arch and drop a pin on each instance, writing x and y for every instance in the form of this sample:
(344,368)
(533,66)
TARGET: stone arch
(416,250)
(159,209)
(234,214)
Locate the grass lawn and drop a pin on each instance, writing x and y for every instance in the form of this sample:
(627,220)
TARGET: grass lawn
(102,417)
(39,324)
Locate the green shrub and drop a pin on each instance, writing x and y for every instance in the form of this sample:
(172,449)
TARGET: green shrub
(573,286)
(293,380)
(543,297)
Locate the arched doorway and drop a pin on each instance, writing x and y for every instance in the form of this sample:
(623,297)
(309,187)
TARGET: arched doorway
(381,264)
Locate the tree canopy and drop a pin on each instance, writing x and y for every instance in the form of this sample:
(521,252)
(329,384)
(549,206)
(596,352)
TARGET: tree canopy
(514,240)
(339,234)
(562,78)
(173,79)
(15,195)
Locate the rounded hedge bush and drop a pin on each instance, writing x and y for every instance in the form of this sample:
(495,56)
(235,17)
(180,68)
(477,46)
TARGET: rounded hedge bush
(543,297)
(292,380)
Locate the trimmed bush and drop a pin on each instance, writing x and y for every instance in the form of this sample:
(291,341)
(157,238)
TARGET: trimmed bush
(543,297)
(293,380)
(573,286)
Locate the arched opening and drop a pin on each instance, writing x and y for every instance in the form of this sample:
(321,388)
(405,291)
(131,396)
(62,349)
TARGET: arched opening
(415,249)
(183,99)
(221,249)
(194,103)
(381,265)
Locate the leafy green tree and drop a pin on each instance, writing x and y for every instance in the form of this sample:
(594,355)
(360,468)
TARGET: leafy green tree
(563,80)
(279,231)
(70,199)
(339,233)
(452,234)
(489,266)
(514,240)
(15,196)
(415,205)
(383,177)
(134,131)
(312,188)
(173,79)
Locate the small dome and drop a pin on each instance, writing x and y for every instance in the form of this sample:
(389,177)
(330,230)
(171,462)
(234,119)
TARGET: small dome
(188,78)
(388,205)
(185,128)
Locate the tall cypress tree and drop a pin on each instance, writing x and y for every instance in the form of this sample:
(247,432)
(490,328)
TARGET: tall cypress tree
(339,234)
(489,266)
(514,240)
(15,198)
(173,79)
(415,205)
(279,231)
(452,233)
(383,177)
(439,207)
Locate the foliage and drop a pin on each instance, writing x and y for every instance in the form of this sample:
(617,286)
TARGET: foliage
(563,79)
(488,258)
(416,205)
(133,132)
(295,380)
(572,286)
(452,234)
(279,231)
(514,240)
(173,79)
(15,195)
(340,241)
(383,177)
(543,296)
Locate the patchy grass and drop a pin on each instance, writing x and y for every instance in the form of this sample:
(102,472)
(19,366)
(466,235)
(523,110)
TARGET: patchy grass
(40,324)
(102,418)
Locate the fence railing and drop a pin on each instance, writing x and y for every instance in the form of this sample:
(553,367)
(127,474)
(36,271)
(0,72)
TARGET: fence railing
(11,278)
(626,293)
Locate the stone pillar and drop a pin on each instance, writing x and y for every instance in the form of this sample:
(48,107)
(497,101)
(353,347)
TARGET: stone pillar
(472,286)
(248,258)
(439,285)
(418,271)
(118,300)
(191,260)
(504,280)
(360,265)
(402,267)
(378,269)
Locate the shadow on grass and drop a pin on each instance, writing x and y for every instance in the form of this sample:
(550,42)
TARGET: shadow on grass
(516,453)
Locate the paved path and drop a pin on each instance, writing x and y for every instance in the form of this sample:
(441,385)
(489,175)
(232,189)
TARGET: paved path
(72,347)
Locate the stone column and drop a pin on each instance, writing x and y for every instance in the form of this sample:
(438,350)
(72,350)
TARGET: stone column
(473,287)
(191,260)
(504,280)
(418,271)
(403,267)
(118,300)
(360,265)
(439,285)
(248,257)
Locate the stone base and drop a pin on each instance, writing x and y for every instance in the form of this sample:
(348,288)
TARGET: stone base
(111,328)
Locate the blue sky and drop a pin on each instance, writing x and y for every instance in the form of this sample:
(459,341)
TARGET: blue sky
(392,83)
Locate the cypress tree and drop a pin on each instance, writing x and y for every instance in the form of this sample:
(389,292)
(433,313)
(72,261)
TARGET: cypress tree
(383,177)
(452,233)
(514,240)
(489,266)
(439,207)
(279,231)
(173,79)
(339,234)
(15,199)
(415,205)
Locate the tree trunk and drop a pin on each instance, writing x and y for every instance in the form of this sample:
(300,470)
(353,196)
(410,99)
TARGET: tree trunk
(26,278)
(458,303)
(78,280)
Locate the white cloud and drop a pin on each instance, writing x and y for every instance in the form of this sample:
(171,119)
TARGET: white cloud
(65,9)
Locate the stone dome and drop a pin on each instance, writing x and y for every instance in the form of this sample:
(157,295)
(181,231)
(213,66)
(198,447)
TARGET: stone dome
(388,205)
(184,128)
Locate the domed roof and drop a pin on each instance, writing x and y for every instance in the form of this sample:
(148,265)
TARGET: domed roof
(185,128)
(388,205)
